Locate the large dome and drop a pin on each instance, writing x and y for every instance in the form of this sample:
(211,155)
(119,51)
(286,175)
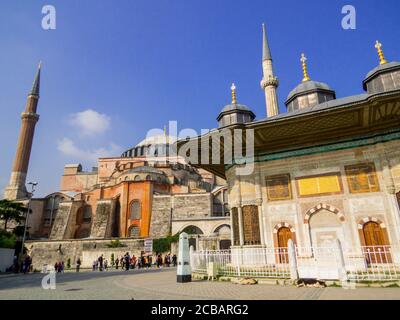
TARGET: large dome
(156,145)
(157,140)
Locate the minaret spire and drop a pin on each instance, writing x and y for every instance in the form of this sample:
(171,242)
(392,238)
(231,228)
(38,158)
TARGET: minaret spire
(16,188)
(36,82)
(270,82)
(266,50)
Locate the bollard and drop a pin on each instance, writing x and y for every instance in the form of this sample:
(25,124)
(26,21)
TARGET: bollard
(294,275)
(184,273)
(341,263)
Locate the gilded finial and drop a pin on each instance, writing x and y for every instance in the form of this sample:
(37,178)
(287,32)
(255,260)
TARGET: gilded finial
(378,47)
(303,60)
(165,131)
(233,88)
(40,64)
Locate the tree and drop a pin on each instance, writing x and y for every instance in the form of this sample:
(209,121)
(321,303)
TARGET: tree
(12,211)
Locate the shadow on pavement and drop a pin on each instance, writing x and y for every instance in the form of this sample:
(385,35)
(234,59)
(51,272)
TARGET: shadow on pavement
(19,281)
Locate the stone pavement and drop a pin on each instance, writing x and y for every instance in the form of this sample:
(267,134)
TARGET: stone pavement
(162,285)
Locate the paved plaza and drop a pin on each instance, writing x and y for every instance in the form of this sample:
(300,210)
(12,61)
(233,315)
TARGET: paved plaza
(162,285)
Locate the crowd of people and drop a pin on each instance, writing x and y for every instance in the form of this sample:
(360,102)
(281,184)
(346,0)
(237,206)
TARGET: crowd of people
(125,262)
(128,262)
(21,266)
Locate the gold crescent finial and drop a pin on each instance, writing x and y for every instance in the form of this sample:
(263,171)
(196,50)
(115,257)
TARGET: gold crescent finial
(303,60)
(378,47)
(233,88)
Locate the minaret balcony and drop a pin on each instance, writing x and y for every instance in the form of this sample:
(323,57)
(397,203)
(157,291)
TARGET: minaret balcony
(270,81)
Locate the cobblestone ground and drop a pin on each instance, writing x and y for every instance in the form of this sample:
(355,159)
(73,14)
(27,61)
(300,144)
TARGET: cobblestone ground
(161,284)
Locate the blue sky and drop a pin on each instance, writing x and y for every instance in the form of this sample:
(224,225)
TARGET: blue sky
(130,66)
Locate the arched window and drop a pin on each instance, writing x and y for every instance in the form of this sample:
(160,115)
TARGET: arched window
(191,230)
(148,177)
(137,178)
(135,213)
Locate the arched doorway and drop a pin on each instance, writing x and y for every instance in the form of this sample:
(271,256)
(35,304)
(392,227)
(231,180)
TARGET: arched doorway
(376,246)
(224,236)
(284,234)
(325,228)
(193,233)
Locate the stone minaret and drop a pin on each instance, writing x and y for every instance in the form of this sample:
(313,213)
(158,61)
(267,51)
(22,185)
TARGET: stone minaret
(16,188)
(269,83)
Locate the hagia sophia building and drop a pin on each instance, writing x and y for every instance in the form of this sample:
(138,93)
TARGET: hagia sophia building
(327,169)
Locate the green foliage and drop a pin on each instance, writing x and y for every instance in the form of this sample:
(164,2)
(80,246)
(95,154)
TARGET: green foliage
(69,263)
(164,244)
(7,239)
(115,244)
(11,211)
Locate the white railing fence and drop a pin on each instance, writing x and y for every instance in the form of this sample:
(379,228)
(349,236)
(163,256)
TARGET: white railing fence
(258,262)
(373,263)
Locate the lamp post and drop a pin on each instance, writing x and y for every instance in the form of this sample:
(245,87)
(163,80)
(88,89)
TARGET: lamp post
(33,185)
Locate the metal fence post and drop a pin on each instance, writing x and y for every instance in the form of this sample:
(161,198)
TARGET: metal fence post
(341,262)
(294,275)
(191,256)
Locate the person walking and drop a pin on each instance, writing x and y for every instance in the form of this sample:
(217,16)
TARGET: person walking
(78,264)
(174,260)
(127,258)
(105,265)
(100,263)
(94,264)
(116,263)
(134,261)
